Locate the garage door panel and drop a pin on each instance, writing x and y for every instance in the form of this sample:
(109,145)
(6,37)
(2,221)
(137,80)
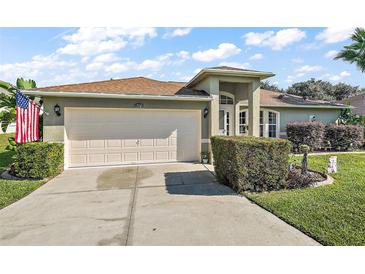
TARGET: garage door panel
(113,158)
(130,143)
(131,136)
(113,143)
(130,156)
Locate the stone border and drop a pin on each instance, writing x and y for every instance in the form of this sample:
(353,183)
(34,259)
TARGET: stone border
(328,181)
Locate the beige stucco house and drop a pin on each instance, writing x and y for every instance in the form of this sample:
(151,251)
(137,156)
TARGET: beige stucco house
(140,120)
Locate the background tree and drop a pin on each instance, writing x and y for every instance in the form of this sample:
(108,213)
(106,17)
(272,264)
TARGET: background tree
(312,89)
(7,100)
(269,86)
(319,89)
(341,91)
(355,53)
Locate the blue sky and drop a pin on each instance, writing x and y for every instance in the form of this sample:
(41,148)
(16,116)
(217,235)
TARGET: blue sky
(53,56)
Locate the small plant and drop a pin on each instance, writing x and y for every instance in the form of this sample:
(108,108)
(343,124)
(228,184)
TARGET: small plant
(12,144)
(205,155)
(304,149)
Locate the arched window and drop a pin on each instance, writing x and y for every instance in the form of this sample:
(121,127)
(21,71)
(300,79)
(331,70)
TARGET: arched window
(225,100)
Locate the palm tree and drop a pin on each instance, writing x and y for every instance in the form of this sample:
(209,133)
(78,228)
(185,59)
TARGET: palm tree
(7,100)
(355,53)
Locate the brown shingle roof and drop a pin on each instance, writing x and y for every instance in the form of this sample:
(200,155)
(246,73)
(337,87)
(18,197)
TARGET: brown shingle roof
(270,98)
(135,85)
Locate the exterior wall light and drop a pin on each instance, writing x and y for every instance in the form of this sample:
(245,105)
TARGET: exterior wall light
(205,112)
(57,110)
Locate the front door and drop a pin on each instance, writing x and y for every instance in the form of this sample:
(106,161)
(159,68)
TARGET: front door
(226,121)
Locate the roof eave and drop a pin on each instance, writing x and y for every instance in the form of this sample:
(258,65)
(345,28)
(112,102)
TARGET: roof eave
(116,96)
(253,74)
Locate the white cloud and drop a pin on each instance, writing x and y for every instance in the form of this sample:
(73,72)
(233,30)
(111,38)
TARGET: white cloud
(257,38)
(339,76)
(33,68)
(334,35)
(93,41)
(223,51)
(235,64)
(331,54)
(275,41)
(256,56)
(307,69)
(106,58)
(177,32)
(183,54)
(92,47)
(148,64)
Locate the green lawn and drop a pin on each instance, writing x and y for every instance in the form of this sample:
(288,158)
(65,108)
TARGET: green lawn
(334,214)
(11,191)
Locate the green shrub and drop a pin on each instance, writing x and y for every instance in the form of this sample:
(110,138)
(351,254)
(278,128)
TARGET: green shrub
(306,133)
(251,163)
(39,160)
(344,137)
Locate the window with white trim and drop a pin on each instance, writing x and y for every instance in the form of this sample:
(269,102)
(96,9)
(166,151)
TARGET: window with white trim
(269,123)
(225,100)
(243,122)
(272,122)
(261,123)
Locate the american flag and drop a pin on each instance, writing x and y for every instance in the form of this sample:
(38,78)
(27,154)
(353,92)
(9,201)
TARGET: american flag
(27,119)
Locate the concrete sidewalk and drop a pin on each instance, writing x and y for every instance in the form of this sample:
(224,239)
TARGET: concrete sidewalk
(172,204)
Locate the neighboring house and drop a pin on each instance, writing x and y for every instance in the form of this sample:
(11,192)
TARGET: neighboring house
(137,120)
(358,102)
(11,127)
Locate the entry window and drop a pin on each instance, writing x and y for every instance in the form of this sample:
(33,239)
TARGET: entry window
(221,119)
(272,124)
(227,122)
(261,123)
(225,100)
(243,122)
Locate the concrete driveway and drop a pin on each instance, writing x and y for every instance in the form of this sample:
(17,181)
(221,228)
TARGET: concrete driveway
(172,204)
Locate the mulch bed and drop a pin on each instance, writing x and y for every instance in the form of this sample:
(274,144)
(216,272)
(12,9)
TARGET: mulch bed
(298,180)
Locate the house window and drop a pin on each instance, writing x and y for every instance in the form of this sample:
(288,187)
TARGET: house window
(243,122)
(225,100)
(272,124)
(269,123)
(227,122)
(261,123)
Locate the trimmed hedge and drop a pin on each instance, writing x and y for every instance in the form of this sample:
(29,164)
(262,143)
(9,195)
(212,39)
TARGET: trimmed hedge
(251,163)
(344,137)
(306,133)
(39,160)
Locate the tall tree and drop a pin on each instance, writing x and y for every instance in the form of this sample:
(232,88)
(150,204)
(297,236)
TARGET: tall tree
(355,53)
(7,100)
(341,91)
(269,86)
(312,89)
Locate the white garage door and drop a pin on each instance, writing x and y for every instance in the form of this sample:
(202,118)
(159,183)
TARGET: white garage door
(114,136)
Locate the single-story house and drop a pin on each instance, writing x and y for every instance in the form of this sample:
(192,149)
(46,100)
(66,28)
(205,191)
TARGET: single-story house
(140,120)
(11,126)
(357,102)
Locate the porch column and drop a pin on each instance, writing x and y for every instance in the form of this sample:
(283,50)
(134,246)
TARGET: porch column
(254,108)
(214,107)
